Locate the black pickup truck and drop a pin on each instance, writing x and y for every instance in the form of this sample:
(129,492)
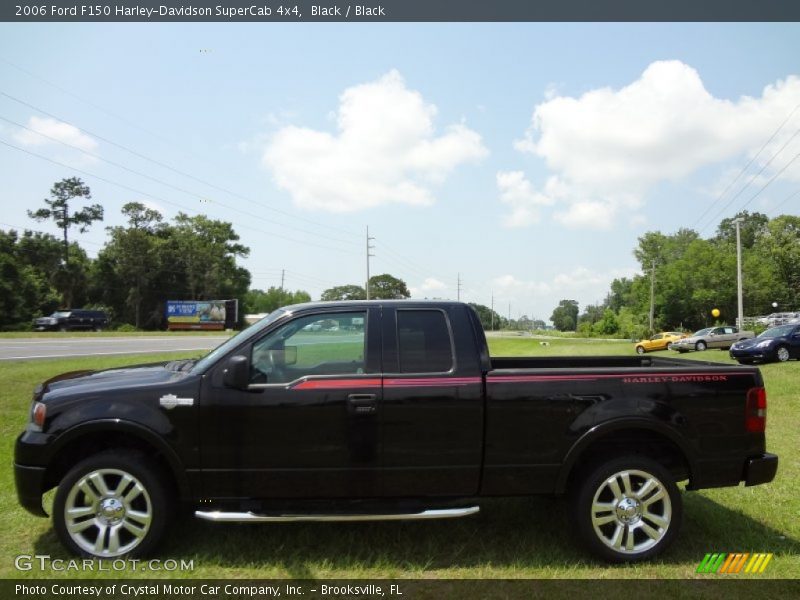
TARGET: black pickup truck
(386,410)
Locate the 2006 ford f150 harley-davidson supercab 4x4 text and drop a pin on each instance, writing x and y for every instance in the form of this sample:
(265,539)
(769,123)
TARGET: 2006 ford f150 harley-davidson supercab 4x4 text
(356,411)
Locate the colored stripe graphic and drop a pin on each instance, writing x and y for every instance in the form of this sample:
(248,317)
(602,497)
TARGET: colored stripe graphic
(734,563)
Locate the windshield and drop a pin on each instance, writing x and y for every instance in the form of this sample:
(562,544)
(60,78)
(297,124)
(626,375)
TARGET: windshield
(239,338)
(60,313)
(777,331)
(703,331)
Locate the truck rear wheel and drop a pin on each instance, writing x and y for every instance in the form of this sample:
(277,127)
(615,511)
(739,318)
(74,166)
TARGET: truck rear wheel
(627,509)
(111,504)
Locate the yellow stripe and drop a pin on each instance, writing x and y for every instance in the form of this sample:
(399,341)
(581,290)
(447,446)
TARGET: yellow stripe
(728,561)
(758,562)
(753,559)
(740,564)
(765,563)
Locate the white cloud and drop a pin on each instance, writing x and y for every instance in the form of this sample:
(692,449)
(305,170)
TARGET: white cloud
(58,131)
(518,193)
(431,283)
(385,151)
(430,287)
(538,297)
(608,148)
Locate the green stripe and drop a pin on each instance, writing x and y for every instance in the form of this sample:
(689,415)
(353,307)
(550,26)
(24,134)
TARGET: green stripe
(701,568)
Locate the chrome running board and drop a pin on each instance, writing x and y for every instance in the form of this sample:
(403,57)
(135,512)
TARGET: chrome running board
(251,517)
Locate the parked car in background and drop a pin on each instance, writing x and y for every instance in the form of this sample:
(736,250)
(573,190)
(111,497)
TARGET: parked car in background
(659,341)
(69,319)
(776,344)
(711,337)
(779,318)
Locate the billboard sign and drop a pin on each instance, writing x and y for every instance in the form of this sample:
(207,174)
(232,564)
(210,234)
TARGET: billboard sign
(197,314)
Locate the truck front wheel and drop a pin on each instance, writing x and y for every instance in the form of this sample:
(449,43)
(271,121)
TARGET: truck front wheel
(111,504)
(627,509)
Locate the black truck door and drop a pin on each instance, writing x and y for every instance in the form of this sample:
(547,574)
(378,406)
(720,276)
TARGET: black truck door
(431,417)
(306,426)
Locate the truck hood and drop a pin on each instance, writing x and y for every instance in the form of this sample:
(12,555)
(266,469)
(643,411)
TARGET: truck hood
(76,384)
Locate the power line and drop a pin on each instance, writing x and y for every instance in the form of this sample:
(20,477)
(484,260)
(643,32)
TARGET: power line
(784,201)
(94,105)
(747,166)
(774,177)
(159,199)
(761,170)
(170,168)
(167,184)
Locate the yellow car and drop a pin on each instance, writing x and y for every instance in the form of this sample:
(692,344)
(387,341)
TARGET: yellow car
(659,341)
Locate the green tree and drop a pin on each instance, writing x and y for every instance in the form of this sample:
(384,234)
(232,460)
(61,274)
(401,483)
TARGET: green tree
(780,245)
(206,250)
(58,209)
(344,292)
(261,301)
(27,264)
(753,226)
(387,287)
(565,315)
(133,251)
(488,317)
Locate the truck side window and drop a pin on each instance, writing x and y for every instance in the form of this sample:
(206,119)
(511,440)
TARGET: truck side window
(320,344)
(424,344)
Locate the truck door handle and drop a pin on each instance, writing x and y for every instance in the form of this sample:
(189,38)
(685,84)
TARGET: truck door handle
(362,404)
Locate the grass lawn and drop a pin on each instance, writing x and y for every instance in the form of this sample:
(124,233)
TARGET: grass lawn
(513,538)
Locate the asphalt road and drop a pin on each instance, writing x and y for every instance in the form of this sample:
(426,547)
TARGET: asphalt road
(38,348)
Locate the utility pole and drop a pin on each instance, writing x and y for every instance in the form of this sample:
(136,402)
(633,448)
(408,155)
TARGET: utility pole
(369,247)
(458,292)
(492,315)
(652,295)
(740,318)
(283,276)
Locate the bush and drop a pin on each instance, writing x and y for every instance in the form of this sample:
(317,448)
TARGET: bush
(126,328)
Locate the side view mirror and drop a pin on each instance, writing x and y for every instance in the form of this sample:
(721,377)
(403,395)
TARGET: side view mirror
(237,372)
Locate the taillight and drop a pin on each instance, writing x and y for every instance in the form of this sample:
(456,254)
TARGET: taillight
(755,414)
(38,415)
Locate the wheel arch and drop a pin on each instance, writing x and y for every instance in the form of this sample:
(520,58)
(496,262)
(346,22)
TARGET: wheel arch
(105,434)
(626,436)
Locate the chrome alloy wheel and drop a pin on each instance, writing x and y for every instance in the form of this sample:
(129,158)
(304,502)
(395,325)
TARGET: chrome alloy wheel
(108,512)
(782,354)
(631,511)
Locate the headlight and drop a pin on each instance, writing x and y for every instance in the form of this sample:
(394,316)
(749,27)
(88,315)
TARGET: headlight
(38,415)
(763,344)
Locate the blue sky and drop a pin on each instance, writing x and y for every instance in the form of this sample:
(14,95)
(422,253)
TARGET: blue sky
(526,157)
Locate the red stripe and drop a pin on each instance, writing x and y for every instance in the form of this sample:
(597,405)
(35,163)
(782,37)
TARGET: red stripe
(336,384)
(524,378)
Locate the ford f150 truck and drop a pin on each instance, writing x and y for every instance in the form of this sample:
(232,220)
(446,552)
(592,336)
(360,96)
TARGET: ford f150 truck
(386,410)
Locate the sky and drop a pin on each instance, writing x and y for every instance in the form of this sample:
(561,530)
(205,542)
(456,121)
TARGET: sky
(523,159)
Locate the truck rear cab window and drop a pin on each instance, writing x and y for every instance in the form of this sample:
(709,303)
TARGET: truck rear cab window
(424,341)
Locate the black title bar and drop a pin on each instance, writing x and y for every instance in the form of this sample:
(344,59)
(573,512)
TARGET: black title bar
(399,10)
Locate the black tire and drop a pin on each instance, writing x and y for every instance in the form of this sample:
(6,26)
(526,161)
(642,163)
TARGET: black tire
(782,354)
(135,518)
(640,350)
(700,346)
(63,328)
(634,527)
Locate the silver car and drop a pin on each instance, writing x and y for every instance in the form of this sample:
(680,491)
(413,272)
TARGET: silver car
(711,337)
